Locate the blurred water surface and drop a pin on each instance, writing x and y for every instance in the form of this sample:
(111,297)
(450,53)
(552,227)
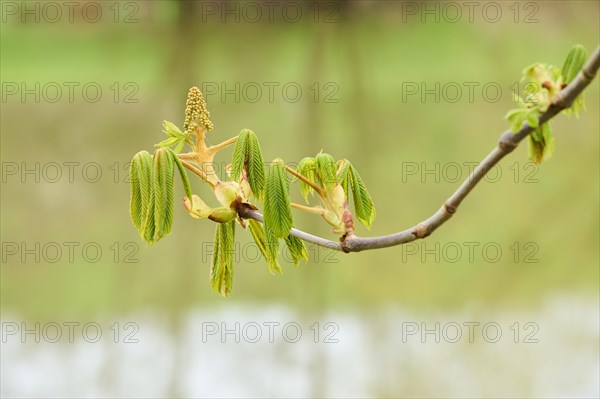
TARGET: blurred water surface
(273,351)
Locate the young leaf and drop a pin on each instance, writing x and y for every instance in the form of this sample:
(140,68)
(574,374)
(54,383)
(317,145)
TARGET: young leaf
(176,138)
(541,144)
(307,168)
(256,166)
(343,174)
(184,178)
(516,117)
(163,192)
(278,212)
(140,173)
(573,63)
(326,169)
(248,156)
(273,246)
(535,150)
(264,246)
(221,272)
(297,249)
(363,204)
(532,118)
(239,155)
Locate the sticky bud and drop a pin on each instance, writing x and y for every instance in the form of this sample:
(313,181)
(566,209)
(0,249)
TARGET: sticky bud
(227,192)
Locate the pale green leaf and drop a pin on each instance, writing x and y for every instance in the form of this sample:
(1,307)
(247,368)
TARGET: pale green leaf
(278,212)
(307,168)
(221,272)
(171,129)
(326,169)
(343,175)
(297,249)
(176,138)
(541,144)
(182,173)
(363,204)
(163,170)
(168,142)
(239,155)
(256,166)
(247,156)
(272,242)
(532,118)
(573,63)
(140,173)
(264,246)
(516,117)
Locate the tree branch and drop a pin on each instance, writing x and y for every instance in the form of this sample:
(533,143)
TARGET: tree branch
(507,143)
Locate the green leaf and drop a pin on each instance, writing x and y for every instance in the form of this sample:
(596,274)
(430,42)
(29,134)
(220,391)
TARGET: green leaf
(168,142)
(272,242)
(573,63)
(307,168)
(541,144)
(343,174)
(176,138)
(162,176)
(221,272)
(363,204)
(256,166)
(535,150)
(278,212)
(140,173)
(239,155)
(571,67)
(326,169)
(266,248)
(248,156)
(171,129)
(516,117)
(297,249)
(532,118)
(182,173)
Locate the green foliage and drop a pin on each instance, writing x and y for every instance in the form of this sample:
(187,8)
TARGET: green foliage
(573,64)
(343,174)
(176,138)
(278,211)
(247,156)
(297,249)
(541,144)
(141,186)
(518,116)
(184,178)
(273,247)
(221,272)
(326,169)
(307,168)
(152,204)
(547,81)
(363,204)
(268,250)
(162,174)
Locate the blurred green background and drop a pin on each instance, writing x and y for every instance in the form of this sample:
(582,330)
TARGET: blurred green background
(363,55)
